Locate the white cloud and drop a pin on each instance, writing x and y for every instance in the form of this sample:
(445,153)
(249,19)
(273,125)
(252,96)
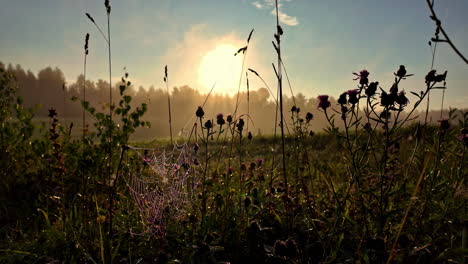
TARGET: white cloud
(257,5)
(283,17)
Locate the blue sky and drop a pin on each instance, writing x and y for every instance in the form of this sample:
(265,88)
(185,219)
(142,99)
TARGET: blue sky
(324,41)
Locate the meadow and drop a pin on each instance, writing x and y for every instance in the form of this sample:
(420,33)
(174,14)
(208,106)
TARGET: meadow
(375,185)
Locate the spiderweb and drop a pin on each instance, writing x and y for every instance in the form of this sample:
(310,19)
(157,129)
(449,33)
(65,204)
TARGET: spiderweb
(164,185)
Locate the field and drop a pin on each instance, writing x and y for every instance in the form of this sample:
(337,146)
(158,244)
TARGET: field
(377,185)
(359,194)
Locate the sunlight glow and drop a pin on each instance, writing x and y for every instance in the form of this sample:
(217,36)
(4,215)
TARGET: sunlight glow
(220,66)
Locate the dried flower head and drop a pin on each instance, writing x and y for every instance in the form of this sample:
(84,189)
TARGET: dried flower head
(401,72)
(402,100)
(362,76)
(220,119)
(309,116)
(342,100)
(430,77)
(260,162)
(229,118)
(386,99)
(372,88)
(353,96)
(323,102)
(200,113)
(249,136)
(208,124)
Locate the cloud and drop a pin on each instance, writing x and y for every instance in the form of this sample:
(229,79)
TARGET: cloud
(258,5)
(283,17)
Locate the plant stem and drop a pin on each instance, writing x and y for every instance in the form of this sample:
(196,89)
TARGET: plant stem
(280,85)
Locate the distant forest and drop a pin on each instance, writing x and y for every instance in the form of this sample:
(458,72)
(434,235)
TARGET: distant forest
(48,89)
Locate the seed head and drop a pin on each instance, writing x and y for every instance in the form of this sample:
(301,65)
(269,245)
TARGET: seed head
(402,100)
(309,116)
(200,113)
(90,17)
(107,5)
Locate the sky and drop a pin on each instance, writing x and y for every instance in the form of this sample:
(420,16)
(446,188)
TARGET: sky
(324,41)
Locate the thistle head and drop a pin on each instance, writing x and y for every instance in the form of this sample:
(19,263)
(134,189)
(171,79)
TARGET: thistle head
(323,102)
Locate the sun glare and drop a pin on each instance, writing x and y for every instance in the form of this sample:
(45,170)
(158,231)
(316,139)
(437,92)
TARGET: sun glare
(220,66)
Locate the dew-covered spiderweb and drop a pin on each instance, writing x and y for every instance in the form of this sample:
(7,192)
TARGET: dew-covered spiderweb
(164,185)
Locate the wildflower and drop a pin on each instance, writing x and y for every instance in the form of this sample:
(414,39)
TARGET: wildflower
(220,119)
(323,102)
(444,124)
(260,162)
(402,100)
(240,125)
(229,118)
(309,116)
(385,99)
(249,136)
(441,77)
(230,170)
(371,89)
(252,165)
(200,113)
(208,124)
(342,100)
(362,77)
(298,110)
(311,133)
(293,108)
(401,71)
(52,113)
(353,96)
(430,77)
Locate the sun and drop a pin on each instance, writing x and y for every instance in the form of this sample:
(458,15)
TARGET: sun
(220,66)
